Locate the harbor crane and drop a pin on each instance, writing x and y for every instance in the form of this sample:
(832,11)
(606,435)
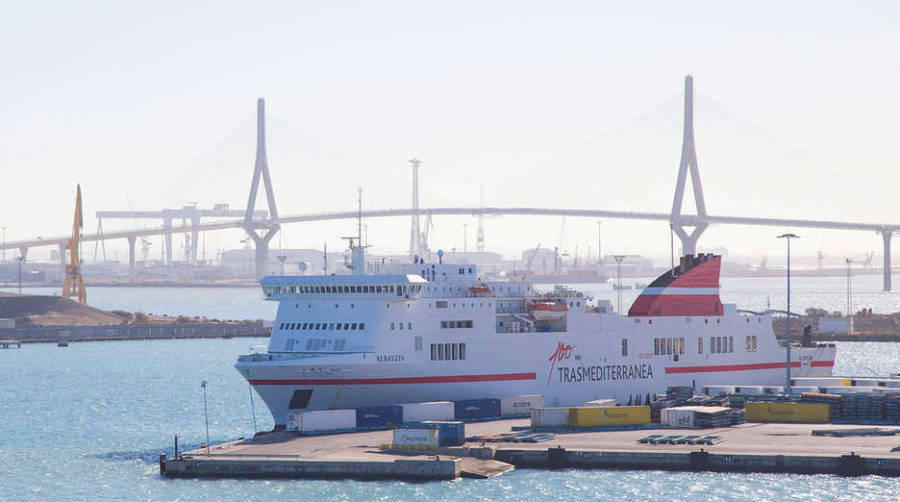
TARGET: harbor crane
(74,284)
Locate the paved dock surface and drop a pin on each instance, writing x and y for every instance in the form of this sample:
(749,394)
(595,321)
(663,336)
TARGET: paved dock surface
(745,447)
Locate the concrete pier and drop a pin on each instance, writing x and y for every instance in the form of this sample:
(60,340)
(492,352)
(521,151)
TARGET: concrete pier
(743,448)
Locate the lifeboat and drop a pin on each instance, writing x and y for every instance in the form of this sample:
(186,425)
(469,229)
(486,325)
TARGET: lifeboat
(480,290)
(547,310)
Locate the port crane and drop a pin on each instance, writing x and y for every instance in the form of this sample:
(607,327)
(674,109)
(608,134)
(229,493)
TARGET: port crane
(73,286)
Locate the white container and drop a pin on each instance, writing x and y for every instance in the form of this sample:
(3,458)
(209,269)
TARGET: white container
(853,390)
(7,323)
(892,384)
(821,381)
(520,405)
(679,418)
(293,421)
(601,403)
(435,410)
(327,420)
(718,390)
(748,390)
(797,389)
(416,437)
(868,382)
(549,417)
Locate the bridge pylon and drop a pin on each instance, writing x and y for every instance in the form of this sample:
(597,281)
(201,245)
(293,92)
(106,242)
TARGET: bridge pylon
(261,170)
(688,166)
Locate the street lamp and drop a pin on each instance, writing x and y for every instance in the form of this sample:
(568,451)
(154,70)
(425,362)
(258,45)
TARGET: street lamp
(619,258)
(205,414)
(599,244)
(849,308)
(787,336)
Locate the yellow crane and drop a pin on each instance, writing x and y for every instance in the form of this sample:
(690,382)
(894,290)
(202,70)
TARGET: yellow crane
(74,284)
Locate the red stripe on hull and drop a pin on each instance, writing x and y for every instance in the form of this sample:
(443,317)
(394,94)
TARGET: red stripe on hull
(737,367)
(822,363)
(399,380)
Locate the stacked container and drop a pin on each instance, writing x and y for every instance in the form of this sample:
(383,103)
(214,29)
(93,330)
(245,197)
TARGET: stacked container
(449,433)
(435,410)
(549,417)
(476,409)
(604,416)
(379,417)
(520,405)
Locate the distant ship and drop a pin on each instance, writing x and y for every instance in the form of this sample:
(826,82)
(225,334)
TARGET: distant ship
(427,332)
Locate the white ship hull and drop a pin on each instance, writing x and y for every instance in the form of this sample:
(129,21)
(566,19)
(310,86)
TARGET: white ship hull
(402,338)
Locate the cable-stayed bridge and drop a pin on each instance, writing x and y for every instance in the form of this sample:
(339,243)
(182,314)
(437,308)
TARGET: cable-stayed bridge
(262,226)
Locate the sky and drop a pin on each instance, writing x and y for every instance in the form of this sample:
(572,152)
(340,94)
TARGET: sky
(559,104)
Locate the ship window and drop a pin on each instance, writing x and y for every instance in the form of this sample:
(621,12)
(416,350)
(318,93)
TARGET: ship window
(318,325)
(353,289)
(668,346)
(282,326)
(401,325)
(712,345)
(392,325)
(624,347)
(447,351)
(338,327)
(408,325)
(681,346)
(353,326)
(444,325)
(462,351)
(362,325)
(700,345)
(730,344)
(418,343)
(440,304)
(753,339)
(440,348)
(433,352)
(454,351)
(378,289)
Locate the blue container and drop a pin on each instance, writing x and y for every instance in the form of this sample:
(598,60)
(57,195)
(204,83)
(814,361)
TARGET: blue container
(476,408)
(379,416)
(449,433)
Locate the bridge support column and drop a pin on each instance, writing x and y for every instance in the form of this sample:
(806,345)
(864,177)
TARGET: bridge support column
(167,224)
(688,167)
(62,255)
(23,253)
(261,171)
(886,236)
(195,238)
(131,245)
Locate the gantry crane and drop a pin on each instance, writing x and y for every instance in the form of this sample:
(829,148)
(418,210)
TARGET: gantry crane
(74,284)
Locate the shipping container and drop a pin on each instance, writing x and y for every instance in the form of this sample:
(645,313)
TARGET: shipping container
(600,417)
(379,416)
(476,408)
(821,381)
(327,420)
(417,437)
(679,417)
(549,417)
(449,433)
(718,390)
(798,389)
(520,405)
(855,390)
(600,403)
(7,323)
(293,421)
(749,390)
(818,413)
(435,410)
(868,382)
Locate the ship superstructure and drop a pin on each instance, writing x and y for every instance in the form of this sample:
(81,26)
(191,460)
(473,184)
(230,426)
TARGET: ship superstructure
(431,331)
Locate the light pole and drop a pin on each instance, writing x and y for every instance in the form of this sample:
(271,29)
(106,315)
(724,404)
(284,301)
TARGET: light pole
(465,238)
(849,305)
(619,258)
(205,415)
(4,244)
(599,244)
(787,336)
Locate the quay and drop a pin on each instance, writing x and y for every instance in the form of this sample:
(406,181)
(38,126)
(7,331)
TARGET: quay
(8,344)
(750,447)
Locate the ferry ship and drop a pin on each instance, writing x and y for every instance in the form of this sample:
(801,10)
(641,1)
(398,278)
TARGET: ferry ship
(421,332)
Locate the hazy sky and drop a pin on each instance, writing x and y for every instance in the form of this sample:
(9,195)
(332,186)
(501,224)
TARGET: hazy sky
(562,104)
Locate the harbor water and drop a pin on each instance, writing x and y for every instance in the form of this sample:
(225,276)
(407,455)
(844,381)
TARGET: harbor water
(89,421)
